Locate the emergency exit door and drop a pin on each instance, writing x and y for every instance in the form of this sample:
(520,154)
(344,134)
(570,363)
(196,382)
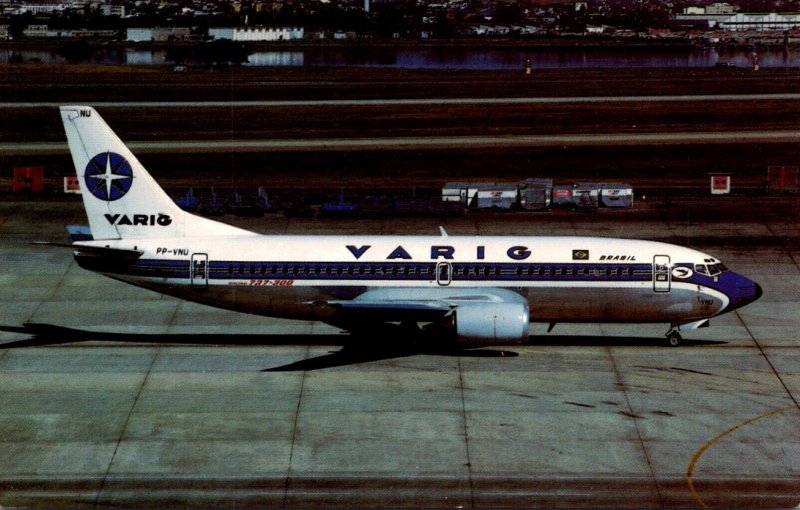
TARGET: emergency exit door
(662,273)
(444,273)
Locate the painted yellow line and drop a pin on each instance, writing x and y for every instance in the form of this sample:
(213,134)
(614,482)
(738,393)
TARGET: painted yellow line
(699,453)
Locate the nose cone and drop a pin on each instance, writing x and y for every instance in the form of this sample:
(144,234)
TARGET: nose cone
(746,292)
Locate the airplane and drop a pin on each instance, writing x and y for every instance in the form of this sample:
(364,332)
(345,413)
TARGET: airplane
(468,290)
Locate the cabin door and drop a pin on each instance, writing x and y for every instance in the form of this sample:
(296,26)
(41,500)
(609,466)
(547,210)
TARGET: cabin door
(198,273)
(662,275)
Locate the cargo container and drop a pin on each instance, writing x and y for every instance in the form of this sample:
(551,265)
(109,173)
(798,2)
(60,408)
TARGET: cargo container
(586,195)
(455,192)
(494,196)
(562,195)
(535,194)
(614,194)
(28,178)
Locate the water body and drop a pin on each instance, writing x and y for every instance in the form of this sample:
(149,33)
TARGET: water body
(449,58)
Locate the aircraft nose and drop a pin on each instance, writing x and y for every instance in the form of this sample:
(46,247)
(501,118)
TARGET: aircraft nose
(747,291)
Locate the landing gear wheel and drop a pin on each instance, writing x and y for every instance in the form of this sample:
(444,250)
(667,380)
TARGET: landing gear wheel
(674,339)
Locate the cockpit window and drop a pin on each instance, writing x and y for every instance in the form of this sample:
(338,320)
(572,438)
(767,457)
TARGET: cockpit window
(710,269)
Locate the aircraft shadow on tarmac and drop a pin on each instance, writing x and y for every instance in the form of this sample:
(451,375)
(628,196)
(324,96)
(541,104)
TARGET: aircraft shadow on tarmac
(355,349)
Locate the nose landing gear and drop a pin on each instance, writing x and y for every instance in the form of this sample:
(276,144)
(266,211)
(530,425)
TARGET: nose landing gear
(674,338)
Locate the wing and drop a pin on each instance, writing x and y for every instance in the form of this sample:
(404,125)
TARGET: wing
(418,305)
(394,310)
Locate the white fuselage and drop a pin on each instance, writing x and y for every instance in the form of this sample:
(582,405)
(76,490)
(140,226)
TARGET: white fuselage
(569,279)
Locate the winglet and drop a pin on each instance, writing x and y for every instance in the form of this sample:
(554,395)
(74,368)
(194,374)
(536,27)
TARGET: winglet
(443,231)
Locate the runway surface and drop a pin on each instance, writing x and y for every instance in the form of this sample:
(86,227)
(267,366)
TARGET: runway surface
(151,402)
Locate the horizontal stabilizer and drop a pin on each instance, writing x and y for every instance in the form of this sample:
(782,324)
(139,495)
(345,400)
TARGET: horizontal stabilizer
(80,233)
(95,251)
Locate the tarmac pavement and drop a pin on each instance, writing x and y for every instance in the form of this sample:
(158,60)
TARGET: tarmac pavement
(148,401)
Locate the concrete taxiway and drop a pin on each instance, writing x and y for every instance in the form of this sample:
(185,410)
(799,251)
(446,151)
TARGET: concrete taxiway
(124,397)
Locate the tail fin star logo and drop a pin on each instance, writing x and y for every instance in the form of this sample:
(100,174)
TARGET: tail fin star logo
(108,176)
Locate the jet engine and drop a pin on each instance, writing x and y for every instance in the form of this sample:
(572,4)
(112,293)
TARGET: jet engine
(491,323)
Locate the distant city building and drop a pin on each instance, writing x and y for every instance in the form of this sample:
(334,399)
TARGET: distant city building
(761,22)
(112,10)
(713,9)
(248,34)
(37,9)
(41,7)
(37,31)
(158,34)
(757,22)
(721,8)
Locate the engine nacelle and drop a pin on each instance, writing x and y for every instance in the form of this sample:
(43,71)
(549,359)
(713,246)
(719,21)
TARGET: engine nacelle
(491,323)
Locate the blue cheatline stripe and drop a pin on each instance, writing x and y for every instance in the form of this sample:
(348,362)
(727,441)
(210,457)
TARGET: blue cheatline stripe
(401,271)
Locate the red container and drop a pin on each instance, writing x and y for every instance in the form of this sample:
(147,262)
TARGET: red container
(28,178)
